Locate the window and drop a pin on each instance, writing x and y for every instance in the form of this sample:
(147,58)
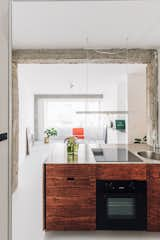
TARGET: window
(66,113)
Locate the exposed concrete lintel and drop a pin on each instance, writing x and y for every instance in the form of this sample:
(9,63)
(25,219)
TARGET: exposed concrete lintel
(75,56)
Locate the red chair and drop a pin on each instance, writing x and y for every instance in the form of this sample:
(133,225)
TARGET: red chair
(78,132)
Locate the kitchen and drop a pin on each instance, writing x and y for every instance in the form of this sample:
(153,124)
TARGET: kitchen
(80,84)
(112,187)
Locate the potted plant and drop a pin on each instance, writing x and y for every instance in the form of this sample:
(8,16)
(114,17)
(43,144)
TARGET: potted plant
(72,145)
(49,133)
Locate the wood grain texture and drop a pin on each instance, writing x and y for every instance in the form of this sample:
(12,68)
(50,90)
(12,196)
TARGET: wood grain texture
(70,197)
(44,195)
(121,172)
(68,170)
(153,208)
(70,193)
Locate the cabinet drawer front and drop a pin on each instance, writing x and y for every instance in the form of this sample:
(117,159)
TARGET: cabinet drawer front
(70,223)
(154,171)
(69,186)
(121,171)
(70,170)
(71,215)
(70,209)
(153,198)
(154,205)
(70,202)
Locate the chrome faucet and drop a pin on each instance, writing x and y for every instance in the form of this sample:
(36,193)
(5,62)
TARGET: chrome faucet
(156,147)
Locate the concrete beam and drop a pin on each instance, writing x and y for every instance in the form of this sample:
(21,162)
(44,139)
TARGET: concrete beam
(73,56)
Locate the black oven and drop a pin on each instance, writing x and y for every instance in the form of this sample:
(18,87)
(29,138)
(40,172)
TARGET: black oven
(121,205)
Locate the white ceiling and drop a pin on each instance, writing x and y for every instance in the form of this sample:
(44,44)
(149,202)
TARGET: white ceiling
(106,24)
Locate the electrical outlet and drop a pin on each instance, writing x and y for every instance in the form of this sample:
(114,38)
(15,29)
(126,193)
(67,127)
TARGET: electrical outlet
(3,137)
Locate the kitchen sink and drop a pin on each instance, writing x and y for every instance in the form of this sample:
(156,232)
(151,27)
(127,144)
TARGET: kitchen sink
(150,155)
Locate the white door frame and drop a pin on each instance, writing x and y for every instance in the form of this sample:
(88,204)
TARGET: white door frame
(5,119)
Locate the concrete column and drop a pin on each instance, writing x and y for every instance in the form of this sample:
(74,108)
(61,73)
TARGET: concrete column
(152,98)
(15,127)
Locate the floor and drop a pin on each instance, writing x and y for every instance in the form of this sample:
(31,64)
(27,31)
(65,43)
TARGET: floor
(27,208)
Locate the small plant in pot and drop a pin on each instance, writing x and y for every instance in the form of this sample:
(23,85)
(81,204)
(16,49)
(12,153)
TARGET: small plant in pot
(50,132)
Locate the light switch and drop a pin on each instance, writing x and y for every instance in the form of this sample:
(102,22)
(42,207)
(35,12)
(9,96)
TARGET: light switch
(3,136)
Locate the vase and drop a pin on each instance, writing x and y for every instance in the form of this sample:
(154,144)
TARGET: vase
(46,140)
(76,147)
(70,149)
(71,158)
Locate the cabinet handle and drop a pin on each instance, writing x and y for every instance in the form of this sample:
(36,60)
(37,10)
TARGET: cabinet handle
(70,179)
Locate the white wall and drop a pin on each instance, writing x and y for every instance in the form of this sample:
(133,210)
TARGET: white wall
(107,79)
(4,165)
(137,124)
(26,112)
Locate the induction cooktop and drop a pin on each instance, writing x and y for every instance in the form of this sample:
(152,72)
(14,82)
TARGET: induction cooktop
(114,155)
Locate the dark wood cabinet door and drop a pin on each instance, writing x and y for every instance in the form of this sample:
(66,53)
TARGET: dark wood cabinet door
(70,197)
(154,197)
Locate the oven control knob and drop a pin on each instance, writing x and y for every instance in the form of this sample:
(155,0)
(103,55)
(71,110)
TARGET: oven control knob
(111,186)
(108,186)
(132,186)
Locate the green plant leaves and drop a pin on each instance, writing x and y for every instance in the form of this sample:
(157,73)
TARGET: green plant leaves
(51,132)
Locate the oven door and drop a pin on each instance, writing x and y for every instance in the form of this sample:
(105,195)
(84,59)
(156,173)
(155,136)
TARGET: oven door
(124,211)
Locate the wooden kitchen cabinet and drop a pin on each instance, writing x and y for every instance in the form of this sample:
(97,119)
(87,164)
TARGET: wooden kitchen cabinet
(69,197)
(153,222)
(70,193)
(121,172)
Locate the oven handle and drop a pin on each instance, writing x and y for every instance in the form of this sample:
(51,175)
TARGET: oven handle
(121,195)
